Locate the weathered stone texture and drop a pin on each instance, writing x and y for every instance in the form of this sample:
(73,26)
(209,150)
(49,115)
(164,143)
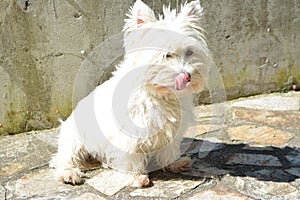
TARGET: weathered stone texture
(244,169)
(109,182)
(262,135)
(255,43)
(221,192)
(167,189)
(41,51)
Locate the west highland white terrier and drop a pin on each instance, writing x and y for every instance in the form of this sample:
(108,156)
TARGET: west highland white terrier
(135,121)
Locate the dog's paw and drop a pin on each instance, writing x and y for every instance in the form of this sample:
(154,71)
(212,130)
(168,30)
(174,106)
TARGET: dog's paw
(141,181)
(180,165)
(72,176)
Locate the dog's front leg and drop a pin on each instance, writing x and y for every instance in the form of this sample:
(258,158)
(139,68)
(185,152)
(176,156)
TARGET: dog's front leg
(72,157)
(140,180)
(67,169)
(135,165)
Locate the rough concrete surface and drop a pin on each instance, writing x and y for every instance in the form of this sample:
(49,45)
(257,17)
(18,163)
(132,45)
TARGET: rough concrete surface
(46,45)
(225,167)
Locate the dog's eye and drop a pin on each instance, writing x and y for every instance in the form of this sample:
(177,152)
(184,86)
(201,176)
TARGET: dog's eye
(169,55)
(188,53)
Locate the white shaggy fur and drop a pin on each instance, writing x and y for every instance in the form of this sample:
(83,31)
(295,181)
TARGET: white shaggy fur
(146,134)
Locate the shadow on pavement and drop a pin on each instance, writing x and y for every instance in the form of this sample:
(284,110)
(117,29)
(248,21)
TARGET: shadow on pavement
(217,159)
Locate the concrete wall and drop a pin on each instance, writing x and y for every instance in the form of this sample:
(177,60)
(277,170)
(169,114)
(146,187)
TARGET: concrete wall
(255,44)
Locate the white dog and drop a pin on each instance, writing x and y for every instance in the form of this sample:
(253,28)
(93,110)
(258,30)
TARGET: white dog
(135,121)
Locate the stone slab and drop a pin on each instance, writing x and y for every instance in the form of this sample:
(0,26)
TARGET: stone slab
(203,169)
(41,183)
(201,129)
(286,120)
(265,189)
(294,170)
(109,182)
(166,188)
(275,103)
(88,196)
(219,193)
(206,172)
(263,135)
(48,136)
(294,158)
(210,144)
(270,174)
(211,114)
(254,159)
(23,151)
(202,148)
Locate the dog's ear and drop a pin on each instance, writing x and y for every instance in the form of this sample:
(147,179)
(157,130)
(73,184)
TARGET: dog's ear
(192,9)
(138,15)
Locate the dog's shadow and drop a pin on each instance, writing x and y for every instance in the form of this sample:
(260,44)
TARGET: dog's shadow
(218,159)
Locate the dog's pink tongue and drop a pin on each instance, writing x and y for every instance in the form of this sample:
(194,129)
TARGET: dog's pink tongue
(182,80)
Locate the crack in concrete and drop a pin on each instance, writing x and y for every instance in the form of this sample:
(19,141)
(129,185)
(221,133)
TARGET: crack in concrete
(54,8)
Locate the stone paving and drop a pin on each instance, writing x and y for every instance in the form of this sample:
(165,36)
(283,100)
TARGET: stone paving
(243,149)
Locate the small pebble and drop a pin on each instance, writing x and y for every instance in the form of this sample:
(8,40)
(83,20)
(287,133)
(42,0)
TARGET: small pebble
(82,52)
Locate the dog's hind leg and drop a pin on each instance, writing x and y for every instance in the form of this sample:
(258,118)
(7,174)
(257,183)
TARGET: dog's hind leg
(170,160)
(180,165)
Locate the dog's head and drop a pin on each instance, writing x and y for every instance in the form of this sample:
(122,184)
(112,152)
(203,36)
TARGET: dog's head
(172,47)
